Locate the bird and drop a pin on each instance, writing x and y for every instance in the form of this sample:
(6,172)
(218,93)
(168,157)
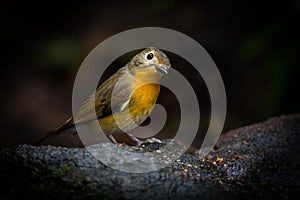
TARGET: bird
(123,101)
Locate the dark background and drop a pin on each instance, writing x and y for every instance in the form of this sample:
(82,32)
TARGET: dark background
(254,44)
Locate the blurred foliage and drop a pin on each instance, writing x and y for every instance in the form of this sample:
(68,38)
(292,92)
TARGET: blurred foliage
(56,54)
(273,49)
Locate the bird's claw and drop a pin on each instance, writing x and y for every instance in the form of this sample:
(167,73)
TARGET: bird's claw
(152,140)
(140,143)
(148,141)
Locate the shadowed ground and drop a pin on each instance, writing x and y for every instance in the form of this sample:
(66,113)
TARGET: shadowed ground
(253,162)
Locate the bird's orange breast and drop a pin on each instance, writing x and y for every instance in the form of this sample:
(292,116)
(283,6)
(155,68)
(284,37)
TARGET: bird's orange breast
(140,105)
(143,99)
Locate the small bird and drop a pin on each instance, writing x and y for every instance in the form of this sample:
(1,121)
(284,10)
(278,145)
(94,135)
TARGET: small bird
(132,91)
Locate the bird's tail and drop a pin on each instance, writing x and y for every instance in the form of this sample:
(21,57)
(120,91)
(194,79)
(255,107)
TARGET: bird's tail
(57,131)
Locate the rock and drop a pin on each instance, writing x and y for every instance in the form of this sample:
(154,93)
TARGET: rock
(257,161)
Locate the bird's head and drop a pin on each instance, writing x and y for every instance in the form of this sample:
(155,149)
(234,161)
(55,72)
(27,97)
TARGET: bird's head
(151,62)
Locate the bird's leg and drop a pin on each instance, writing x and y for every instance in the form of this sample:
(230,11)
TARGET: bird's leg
(139,142)
(112,139)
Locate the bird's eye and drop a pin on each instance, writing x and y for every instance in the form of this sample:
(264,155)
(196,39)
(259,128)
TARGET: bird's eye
(149,56)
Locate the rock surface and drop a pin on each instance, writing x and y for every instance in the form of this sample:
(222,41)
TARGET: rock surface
(253,162)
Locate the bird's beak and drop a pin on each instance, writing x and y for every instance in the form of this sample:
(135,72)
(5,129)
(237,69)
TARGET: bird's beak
(161,69)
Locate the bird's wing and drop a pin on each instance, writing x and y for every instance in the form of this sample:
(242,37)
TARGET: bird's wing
(120,85)
(100,101)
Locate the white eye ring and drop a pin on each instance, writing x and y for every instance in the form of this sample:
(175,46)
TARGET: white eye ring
(149,56)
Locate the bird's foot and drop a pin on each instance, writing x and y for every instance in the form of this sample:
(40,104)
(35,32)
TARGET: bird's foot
(139,143)
(152,140)
(148,141)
